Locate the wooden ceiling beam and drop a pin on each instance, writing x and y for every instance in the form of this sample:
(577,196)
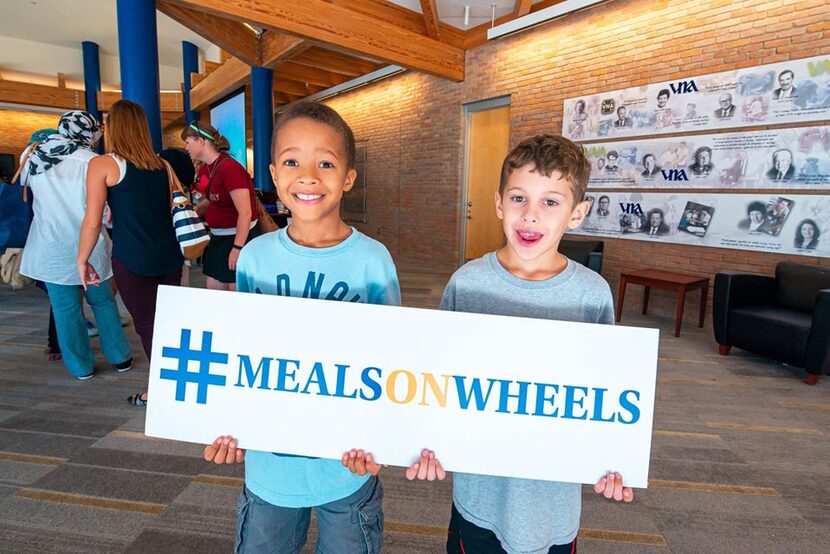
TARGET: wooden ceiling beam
(231,36)
(274,48)
(295,88)
(343,28)
(335,62)
(15,92)
(306,74)
(522,7)
(431,21)
(229,77)
(403,17)
(478,35)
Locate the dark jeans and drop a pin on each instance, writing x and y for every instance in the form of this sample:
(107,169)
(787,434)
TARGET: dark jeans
(464,537)
(139,295)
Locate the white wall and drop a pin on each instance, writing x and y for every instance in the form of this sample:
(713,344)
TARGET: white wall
(47,59)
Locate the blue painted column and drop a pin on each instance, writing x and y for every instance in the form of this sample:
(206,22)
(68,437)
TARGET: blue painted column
(190,64)
(262,113)
(92,77)
(139,53)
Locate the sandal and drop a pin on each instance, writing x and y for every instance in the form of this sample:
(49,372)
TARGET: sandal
(54,356)
(135,400)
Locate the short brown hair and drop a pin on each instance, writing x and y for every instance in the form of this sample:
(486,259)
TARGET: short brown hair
(549,153)
(127,134)
(315,111)
(202,130)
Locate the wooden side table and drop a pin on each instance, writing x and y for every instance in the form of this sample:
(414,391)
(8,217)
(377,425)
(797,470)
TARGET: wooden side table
(666,280)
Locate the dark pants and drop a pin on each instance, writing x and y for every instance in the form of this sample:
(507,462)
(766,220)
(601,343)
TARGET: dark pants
(464,537)
(139,295)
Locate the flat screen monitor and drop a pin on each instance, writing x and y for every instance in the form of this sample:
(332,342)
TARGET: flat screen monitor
(228,117)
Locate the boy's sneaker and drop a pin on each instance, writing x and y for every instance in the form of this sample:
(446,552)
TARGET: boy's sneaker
(124,366)
(85,377)
(91,329)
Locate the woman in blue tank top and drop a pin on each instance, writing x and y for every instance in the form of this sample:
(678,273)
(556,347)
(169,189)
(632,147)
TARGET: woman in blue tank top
(132,179)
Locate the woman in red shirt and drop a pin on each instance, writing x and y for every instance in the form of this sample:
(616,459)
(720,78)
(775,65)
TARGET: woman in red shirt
(231,210)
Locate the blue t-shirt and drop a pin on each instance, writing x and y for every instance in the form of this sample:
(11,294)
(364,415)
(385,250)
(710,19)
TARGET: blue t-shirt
(359,269)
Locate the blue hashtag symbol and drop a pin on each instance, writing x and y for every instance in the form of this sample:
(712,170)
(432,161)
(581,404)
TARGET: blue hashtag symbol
(205,356)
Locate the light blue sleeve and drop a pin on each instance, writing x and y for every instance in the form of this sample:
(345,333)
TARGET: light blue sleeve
(244,282)
(386,289)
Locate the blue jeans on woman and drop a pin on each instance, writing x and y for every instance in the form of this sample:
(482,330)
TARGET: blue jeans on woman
(71,326)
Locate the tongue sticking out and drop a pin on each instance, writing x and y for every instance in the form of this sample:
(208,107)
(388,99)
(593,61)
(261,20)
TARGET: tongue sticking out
(528,238)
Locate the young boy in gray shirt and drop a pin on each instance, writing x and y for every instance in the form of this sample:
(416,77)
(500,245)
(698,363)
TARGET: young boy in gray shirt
(541,194)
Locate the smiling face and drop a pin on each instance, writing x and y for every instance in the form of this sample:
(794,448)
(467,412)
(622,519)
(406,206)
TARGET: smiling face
(783,160)
(785,80)
(662,100)
(703,157)
(535,211)
(756,216)
(648,162)
(655,219)
(808,231)
(310,170)
(621,113)
(197,148)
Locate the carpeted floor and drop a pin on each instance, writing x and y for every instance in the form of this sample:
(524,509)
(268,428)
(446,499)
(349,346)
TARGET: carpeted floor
(739,460)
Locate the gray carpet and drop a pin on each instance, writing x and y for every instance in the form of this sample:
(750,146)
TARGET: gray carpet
(739,462)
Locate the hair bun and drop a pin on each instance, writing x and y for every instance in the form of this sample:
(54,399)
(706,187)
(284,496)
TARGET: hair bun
(221,143)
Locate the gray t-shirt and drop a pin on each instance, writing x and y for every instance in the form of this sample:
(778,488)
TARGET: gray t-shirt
(528,516)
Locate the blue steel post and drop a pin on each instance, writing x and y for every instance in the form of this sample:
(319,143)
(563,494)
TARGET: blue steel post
(92,77)
(139,53)
(262,111)
(190,64)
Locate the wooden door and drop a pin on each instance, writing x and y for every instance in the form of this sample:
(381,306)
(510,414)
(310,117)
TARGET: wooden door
(489,137)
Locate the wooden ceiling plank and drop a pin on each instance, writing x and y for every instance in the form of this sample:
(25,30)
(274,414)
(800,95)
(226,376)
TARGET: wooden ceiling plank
(231,36)
(344,28)
(522,7)
(306,74)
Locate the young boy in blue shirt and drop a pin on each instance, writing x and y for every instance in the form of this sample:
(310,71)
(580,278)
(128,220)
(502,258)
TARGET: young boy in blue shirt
(541,194)
(317,256)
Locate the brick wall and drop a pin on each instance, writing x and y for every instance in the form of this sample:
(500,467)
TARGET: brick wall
(16,127)
(413,124)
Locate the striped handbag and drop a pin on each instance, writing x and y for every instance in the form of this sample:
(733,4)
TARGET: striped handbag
(191,232)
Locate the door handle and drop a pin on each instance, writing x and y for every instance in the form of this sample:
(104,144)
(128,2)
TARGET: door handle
(469,204)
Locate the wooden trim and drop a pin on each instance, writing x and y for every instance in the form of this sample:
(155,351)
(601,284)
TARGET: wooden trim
(231,36)
(306,74)
(343,28)
(170,101)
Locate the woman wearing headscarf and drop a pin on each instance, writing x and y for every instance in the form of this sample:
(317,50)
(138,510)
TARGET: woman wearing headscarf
(56,171)
(133,181)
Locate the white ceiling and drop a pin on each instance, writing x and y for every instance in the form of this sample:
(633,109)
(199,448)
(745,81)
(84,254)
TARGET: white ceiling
(67,23)
(452,11)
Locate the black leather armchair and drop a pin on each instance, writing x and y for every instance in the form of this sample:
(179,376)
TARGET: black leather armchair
(585,252)
(786,317)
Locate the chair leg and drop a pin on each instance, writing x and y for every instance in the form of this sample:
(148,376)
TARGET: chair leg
(812,378)
(724,349)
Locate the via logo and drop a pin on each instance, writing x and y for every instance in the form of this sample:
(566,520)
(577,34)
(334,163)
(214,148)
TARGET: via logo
(203,378)
(674,174)
(631,208)
(608,106)
(682,87)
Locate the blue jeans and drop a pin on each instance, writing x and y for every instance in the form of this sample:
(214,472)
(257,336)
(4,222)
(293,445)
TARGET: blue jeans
(71,326)
(351,525)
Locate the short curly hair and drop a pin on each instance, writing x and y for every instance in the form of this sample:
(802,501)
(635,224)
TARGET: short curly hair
(549,153)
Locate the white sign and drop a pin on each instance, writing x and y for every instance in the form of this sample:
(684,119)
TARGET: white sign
(794,91)
(491,395)
(780,223)
(774,159)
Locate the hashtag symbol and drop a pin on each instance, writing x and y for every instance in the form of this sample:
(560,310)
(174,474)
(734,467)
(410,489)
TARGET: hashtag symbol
(205,356)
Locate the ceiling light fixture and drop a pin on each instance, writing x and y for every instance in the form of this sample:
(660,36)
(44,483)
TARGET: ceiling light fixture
(361,81)
(467,16)
(539,17)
